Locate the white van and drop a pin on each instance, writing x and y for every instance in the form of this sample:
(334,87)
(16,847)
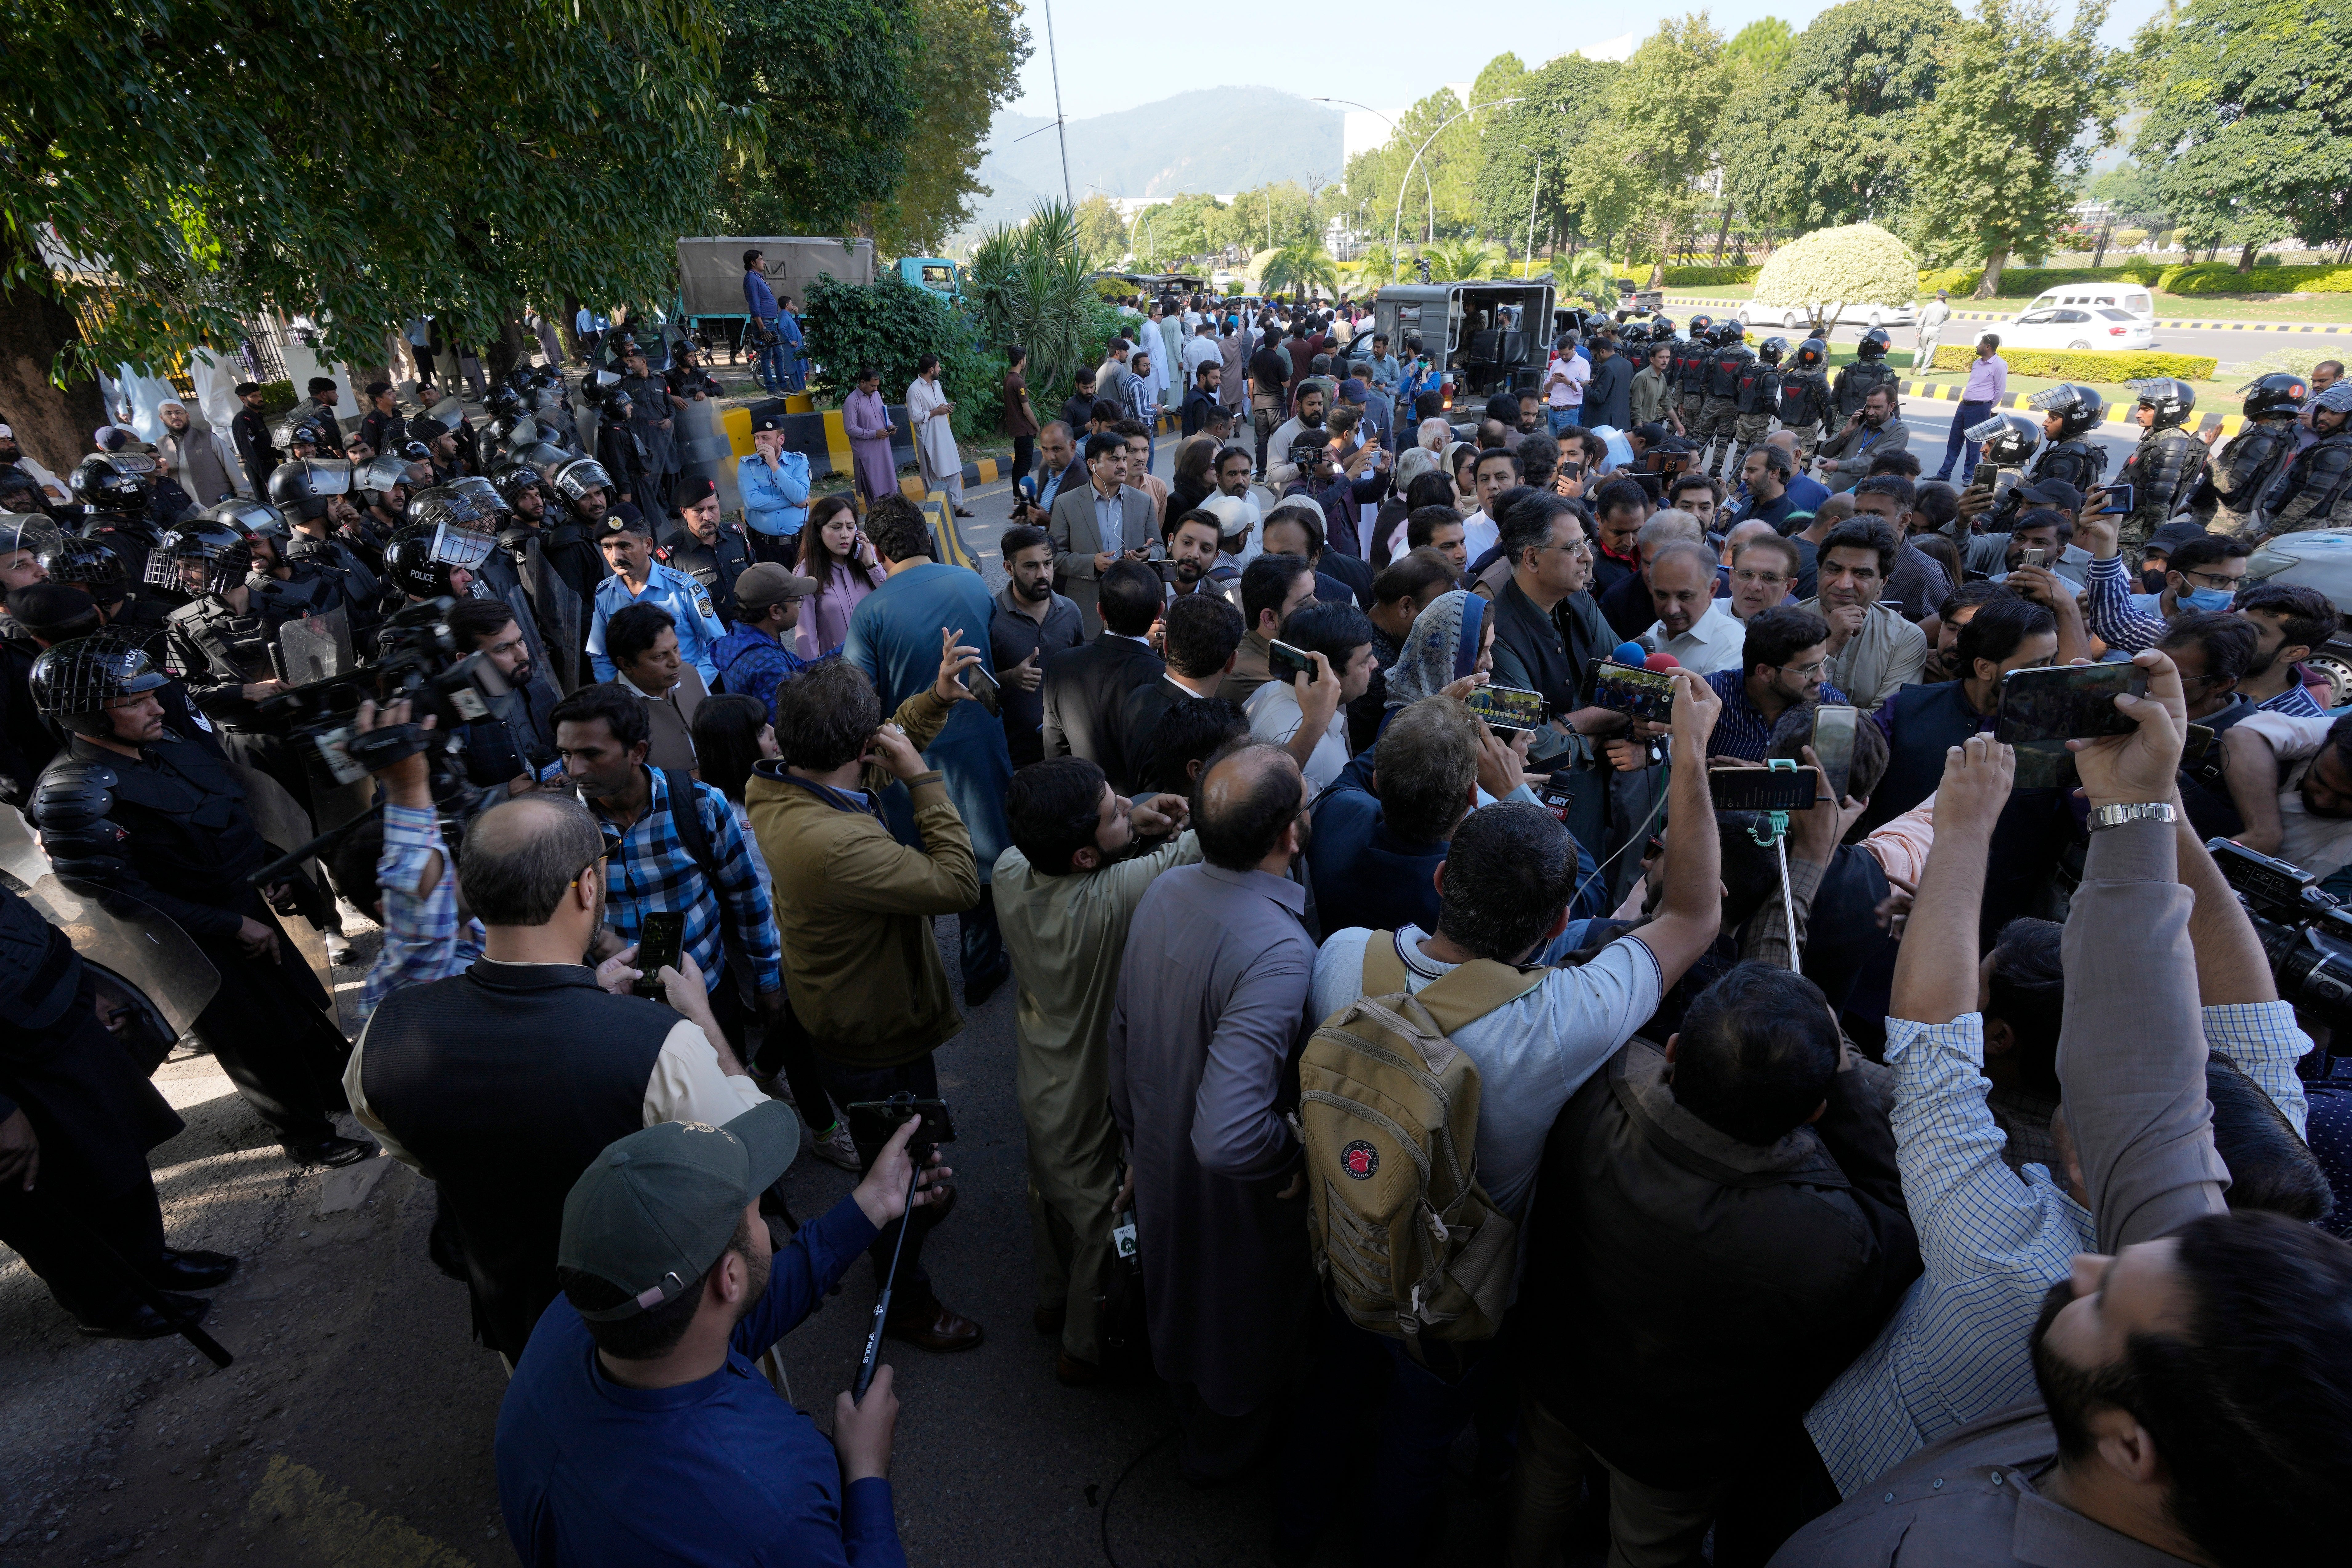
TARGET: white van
(2131,298)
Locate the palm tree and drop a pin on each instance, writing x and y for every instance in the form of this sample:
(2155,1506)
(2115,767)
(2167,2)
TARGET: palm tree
(1461,262)
(1029,286)
(1591,277)
(1300,269)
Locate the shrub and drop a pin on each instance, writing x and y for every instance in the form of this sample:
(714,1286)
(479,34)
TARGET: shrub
(2025,282)
(2206,279)
(277,397)
(889,324)
(2088,365)
(1709,277)
(1858,262)
(2292,361)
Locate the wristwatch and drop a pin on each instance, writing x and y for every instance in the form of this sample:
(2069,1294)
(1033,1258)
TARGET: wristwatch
(2133,810)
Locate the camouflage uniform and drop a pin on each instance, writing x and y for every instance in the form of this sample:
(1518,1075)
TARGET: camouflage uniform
(2247,465)
(2163,471)
(1757,400)
(2318,490)
(1719,411)
(1689,365)
(2073,461)
(1804,397)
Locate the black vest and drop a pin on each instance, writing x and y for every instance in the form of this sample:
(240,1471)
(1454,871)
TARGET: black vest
(1928,721)
(505,1082)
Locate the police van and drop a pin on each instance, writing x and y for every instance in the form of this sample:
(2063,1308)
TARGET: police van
(2133,299)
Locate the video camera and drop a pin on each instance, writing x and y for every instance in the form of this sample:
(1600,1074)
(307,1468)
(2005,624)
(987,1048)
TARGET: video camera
(2305,931)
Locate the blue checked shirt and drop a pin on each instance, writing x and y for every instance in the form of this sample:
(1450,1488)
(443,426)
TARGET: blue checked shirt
(698,627)
(2116,622)
(1741,730)
(423,937)
(1993,1242)
(755,664)
(652,871)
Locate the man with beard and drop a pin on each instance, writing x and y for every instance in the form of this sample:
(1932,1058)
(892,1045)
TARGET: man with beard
(1029,622)
(1307,423)
(1873,429)
(250,433)
(2195,1381)
(1190,540)
(708,549)
(2291,780)
(188,455)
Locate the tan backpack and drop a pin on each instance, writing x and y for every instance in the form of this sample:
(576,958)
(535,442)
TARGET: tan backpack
(1388,1110)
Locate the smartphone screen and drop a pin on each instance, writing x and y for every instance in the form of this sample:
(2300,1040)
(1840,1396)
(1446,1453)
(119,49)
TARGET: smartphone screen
(659,939)
(2032,557)
(2119,501)
(984,690)
(1833,745)
(1507,707)
(1653,485)
(2067,704)
(1285,663)
(1763,789)
(1643,693)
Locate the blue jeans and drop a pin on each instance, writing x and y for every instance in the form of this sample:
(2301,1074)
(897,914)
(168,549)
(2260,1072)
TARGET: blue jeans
(768,363)
(1959,446)
(1563,418)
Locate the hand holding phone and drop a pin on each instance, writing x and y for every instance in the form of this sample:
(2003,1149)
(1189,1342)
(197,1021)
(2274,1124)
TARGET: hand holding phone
(660,940)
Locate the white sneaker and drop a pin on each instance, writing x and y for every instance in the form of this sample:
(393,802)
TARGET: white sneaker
(339,950)
(835,1148)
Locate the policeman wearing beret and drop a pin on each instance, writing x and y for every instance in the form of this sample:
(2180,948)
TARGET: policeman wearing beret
(773,481)
(705,546)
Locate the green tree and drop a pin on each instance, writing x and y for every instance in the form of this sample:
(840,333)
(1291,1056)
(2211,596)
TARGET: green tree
(2248,121)
(973,51)
(1301,269)
(1758,59)
(1536,148)
(1182,227)
(221,160)
(2135,193)
(1028,285)
(1462,260)
(1101,232)
(1764,45)
(1663,130)
(838,84)
(1267,217)
(1832,145)
(2017,113)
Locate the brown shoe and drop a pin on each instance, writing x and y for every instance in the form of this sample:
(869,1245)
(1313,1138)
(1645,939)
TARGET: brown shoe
(930,1326)
(1049,1320)
(1077,1373)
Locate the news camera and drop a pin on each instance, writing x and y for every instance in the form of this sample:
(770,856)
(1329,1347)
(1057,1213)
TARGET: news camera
(2305,931)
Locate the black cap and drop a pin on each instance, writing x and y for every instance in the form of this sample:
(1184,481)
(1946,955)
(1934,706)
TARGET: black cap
(626,517)
(768,415)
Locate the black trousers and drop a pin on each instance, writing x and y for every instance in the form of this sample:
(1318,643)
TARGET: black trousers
(784,1051)
(982,940)
(266,1028)
(919,1078)
(1024,451)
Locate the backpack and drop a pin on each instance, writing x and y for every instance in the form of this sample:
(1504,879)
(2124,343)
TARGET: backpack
(1410,1245)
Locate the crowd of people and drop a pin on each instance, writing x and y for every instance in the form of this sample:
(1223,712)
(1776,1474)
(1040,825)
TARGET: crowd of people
(1420,1034)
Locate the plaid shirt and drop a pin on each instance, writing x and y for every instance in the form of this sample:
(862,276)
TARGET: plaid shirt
(751,662)
(651,870)
(1993,1242)
(2118,623)
(423,940)
(1741,730)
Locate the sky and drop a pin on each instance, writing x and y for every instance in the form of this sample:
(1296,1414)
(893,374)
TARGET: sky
(1397,52)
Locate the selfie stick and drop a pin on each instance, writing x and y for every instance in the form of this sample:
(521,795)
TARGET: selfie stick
(1776,834)
(882,1306)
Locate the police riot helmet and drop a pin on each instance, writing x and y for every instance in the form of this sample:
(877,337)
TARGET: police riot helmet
(68,558)
(1700,325)
(1875,343)
(114,481)
(460,530)
(379,477)
(28,531)
(253,517)
(308,431)
(2337,399)
(2078,407)
(578,477)
(2279,395)
(2013,437)
(486,499)
(424,427)
(409,562)
(76,681)
(1812,354)
(224,547)
(301,486)
(1662,327)
(2173,400)
(502,402)
(1731,332)
(1772,349)
(511,477)
(594,383)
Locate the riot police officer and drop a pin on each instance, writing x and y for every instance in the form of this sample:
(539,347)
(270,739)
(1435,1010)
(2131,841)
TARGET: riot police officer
(114,488)
(131,809)
(218,644)
(441,455)
(586,494)
(1866,374)
(654,421)
(1758,398)
(2253,461)
(1804,395)
(98,572)
(524,538)
(419,572)
(2318,490)
(620,448)
(1689,365)
(382,483)
(2167,464)
(705,547)
(1729,357)
(2069,414)
(307,491)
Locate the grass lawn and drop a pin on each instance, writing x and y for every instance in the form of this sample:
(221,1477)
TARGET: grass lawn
(2335,308)
(2213,396)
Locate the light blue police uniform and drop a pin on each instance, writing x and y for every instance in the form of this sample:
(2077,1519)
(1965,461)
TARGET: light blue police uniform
(698,627)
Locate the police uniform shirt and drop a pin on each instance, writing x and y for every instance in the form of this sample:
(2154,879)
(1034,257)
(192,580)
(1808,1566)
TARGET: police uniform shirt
(698,627)
(714,566)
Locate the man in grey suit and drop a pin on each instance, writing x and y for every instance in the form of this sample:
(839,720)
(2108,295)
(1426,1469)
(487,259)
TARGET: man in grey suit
(1096,526)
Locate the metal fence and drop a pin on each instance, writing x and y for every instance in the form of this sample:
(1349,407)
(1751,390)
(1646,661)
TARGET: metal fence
(260,349)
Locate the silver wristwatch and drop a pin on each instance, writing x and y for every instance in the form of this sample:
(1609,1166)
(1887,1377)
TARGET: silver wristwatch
(2133,811)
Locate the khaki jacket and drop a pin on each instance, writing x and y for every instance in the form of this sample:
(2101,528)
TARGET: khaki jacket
(855,907)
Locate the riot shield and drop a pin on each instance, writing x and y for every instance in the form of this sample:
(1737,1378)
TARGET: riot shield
(315,648)
(702,445)
(161,978)
(285,826)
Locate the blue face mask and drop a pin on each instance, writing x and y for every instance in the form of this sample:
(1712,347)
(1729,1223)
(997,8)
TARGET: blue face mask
(2208,598)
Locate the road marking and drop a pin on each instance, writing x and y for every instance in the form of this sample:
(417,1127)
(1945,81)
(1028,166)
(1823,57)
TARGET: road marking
(348,1534)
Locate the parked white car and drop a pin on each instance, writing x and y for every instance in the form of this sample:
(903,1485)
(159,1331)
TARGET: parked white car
(1862,315)
(2076,327)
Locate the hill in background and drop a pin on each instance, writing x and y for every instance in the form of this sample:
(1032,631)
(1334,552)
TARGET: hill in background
(1219,140)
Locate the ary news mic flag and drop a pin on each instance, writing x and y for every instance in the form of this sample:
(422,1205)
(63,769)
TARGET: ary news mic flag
(1629,653)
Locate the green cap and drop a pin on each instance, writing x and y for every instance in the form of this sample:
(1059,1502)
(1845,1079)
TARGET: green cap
(653,1212)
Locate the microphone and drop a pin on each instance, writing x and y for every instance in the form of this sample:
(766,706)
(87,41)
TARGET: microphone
(1630,652)
(1662,661)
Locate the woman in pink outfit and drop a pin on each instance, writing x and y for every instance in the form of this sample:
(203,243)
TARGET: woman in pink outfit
(836,554)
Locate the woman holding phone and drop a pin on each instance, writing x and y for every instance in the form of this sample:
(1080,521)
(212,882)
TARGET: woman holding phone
(836,555)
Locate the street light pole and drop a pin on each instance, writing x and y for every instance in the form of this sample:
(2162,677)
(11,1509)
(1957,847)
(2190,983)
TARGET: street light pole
(1396,224)
(1053,64)
(1534,191)
(1427,188)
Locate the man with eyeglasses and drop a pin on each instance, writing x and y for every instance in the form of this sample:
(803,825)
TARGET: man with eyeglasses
(1763,569)
(1781,664)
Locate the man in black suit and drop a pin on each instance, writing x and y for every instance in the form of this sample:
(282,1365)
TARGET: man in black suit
(249,431)
(1204,631)
(1084,686)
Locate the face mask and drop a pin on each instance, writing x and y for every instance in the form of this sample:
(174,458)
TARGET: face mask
(2208,598)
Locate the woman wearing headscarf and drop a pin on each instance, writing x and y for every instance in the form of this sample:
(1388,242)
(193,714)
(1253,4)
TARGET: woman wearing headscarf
(1448,652)
(1462,463)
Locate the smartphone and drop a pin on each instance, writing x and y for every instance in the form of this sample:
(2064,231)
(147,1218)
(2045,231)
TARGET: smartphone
(660,939)
(878,1120)
(1833,745)
(1653,485)
(984,690)
(2031,557)
(1285,663)
(2067,702)
(1763,789)
(2119,501)
(1628,689)
(1507,708)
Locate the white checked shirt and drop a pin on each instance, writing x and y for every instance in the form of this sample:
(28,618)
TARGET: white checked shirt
(1992,1243)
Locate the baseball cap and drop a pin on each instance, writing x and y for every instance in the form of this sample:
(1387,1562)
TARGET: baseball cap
(1355,391)
(764,583)
(768,415)
(2054,493)
(653,1212)
(2173,535)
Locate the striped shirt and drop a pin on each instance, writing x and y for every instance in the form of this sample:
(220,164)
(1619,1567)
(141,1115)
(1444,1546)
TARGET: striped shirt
(2116,622)
(423,937)
(1993,1242)
(1742,731)
(652,871)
